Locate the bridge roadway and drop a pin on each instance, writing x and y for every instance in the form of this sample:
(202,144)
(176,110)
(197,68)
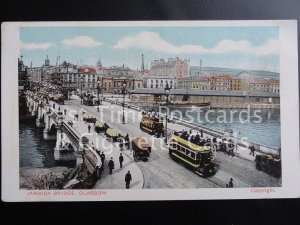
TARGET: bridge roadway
(161,171)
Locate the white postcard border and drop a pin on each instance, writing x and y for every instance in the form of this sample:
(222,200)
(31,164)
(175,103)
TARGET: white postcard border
(289,122)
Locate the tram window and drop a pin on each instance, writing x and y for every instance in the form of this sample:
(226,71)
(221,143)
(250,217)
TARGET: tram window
(198,156)
(178,148)
(182,149)
(193,155)
(188,152)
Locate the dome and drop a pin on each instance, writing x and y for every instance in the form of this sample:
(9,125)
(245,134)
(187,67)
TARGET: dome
(244,75)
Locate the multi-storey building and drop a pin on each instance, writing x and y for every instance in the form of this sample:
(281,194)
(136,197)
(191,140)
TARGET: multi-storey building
(235,83)
(200,83)
(115,85)
(160,82)
(172,68)
(264,85)
(220,83)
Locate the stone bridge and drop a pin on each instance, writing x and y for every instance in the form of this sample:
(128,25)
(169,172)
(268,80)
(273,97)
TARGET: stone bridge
(70,145)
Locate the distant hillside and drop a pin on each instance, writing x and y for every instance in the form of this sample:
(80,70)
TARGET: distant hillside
(254,73)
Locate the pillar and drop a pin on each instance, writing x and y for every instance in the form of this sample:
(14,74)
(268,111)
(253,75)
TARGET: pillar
(59,145)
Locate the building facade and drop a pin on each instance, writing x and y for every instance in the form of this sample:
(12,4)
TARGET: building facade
(221,83)
(200,83)
(172,68)
(264,85)
(160,82)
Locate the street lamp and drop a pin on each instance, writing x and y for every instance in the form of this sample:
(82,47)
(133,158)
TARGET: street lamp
(124,89)
(81,80)
(98,82)
(167,93)
(69,88)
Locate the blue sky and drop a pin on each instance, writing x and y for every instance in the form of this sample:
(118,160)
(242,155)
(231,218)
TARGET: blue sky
(230,47)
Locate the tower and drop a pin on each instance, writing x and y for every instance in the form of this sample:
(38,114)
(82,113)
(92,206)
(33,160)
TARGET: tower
(99,64)
(47,61)
(143,66)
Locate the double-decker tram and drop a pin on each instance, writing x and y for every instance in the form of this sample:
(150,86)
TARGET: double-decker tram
(152,124)
(193,151)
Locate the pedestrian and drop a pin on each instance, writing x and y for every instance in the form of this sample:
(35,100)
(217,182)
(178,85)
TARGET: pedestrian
(65,111)
(89,128)
(230,148)
(102,156)
(53,105)
(230,184)
(98,152)
(201,133)
(93,146)
(252,150)
(121,159)
(128,178)
(111,165)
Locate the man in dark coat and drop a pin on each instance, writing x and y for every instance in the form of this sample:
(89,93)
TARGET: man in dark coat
(230,185)
(102,156)
(128,179)
(111,165)
(121,159)
(89,128)
(252,150)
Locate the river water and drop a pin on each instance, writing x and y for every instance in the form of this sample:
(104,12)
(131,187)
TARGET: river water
(35,152)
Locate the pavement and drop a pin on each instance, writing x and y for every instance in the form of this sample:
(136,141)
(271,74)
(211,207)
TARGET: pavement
(99,141)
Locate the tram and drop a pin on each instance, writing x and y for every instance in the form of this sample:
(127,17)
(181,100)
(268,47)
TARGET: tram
(193,151)
(152,124)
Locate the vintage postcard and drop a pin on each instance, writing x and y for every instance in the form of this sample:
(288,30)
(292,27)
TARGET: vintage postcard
(164,110)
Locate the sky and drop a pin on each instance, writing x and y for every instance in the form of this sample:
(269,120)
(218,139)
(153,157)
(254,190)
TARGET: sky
(249,48)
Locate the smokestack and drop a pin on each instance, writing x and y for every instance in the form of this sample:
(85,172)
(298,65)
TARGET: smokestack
(200,69)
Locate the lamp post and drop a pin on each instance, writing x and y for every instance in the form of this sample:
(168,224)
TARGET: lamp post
(98,83)
(81,80)
(124,89)
(167,93)
(69,88)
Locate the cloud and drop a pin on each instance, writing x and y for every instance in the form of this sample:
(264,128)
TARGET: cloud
(153,41)
(36,46)
(81,42)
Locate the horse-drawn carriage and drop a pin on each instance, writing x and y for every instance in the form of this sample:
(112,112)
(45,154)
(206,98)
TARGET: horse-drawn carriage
(101,127)
(269,164)
(141,149)
(59,99)
(89,118)
(112,134)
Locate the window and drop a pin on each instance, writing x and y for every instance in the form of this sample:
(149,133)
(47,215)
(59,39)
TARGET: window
(193,155)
